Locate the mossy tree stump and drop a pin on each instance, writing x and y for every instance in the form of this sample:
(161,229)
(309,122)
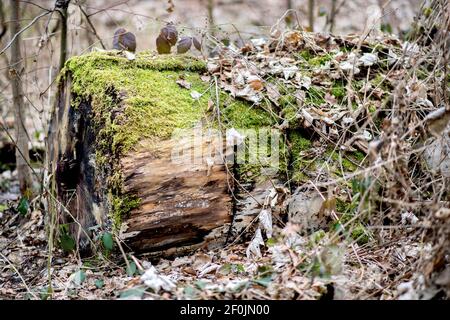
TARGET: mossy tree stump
(110,149)
(114,128)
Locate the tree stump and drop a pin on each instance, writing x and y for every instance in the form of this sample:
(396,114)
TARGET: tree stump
(110,148)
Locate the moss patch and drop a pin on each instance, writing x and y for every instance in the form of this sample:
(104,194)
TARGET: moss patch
(339,91)
(314,59)
(152,101)
(315,96)
(350,161)
(300,162)
(239,114)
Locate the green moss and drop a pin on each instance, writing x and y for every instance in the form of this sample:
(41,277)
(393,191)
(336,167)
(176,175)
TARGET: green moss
(240,115)
(300,145)
(287,100)
(372,108)
(380,81)
(427,11)
(144,60)
(359,156)
(341,206)
(288,105)
(318,61)
(338,91)
(290,113)
(355,227)
(152,100)
(250,171)
(315,96)
(347,165)
(305,55)
(314,59)
(316,237)
(360,234)
(121,206)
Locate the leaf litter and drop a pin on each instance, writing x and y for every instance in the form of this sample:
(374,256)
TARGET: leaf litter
(279,259)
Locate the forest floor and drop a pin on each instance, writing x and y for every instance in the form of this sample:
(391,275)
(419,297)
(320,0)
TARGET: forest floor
(363,110)
(360,272)
(382,260)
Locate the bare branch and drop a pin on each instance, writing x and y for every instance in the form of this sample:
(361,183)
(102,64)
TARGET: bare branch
(91,26)
(18,33)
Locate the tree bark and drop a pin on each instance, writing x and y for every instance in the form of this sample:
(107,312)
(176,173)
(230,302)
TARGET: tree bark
(332,17)
(62,5)
(289,16)
(16,70)
(211,21)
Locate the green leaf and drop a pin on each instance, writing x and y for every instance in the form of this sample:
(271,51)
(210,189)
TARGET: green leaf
(200,284)
(191,292)
(264,281)
(225,269)
(79,277)
(107,240)
(23,206)
(99,283)
(133,292)
(67,242)
(271,242)
(131,269)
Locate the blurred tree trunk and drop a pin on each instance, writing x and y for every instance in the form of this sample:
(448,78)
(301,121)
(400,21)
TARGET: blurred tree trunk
(386,24)
(210,8)
(333,12)
(289,16)
(311,4)
(3,27)
(16,70)
(3,30)
(62,6)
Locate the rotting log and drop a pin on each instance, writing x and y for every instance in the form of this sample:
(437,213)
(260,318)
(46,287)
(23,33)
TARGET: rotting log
(110,148)
(110,152)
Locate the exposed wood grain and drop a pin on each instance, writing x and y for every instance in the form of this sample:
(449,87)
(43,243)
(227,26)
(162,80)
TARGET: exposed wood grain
(182,201)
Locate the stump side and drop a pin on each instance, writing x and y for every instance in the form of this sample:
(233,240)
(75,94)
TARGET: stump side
(115,117)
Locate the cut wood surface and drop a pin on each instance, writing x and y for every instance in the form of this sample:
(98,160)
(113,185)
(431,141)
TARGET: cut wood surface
(181,203)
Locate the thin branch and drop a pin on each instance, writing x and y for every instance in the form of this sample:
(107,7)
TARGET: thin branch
(22,30)
(18,273)
(92,26)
